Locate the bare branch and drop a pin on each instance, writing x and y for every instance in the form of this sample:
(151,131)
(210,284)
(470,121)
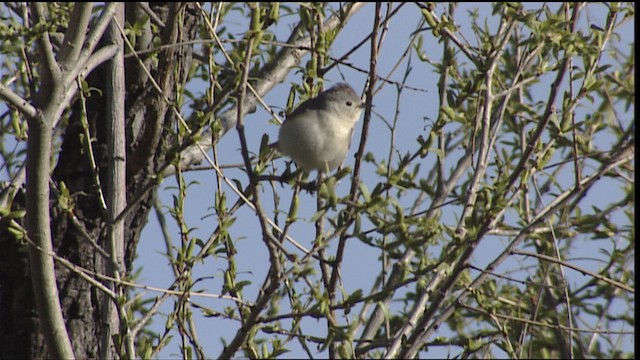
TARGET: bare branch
(116,185)
(576,268)
(38,220)
(17,101)
(50,69)
(97,31)
(75,34)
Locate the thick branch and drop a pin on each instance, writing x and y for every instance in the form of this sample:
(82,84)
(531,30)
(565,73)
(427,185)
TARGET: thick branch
(38,228)
(75,35)
(38,219)
(116,179)
(17,101)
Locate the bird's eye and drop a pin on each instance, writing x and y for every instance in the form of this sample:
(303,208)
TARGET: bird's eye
(349,103)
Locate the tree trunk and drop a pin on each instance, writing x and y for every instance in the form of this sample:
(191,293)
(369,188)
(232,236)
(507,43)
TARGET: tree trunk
(149,120)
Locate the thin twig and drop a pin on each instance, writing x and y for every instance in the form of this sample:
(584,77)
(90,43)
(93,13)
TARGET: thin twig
(576,268)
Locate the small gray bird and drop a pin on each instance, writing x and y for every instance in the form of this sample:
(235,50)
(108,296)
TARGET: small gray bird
(317,134)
